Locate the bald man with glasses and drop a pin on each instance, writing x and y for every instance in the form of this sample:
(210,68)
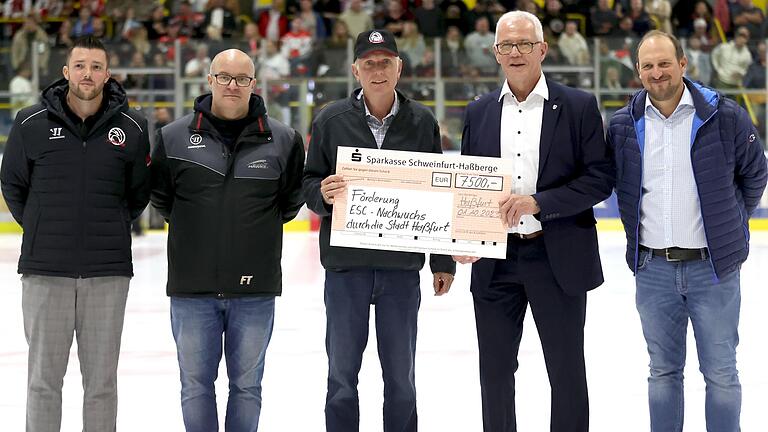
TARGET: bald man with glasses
(226,178)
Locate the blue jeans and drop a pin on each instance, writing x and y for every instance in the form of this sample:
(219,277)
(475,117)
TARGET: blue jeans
(396,296)
(668,294)
(198,325)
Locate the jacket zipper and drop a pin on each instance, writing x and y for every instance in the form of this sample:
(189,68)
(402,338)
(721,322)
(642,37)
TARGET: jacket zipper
(229,157)
(640,189)
(698,194)
(81,207)
(225,154)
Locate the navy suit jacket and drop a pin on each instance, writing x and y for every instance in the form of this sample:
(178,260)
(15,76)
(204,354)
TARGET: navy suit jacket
(575,173)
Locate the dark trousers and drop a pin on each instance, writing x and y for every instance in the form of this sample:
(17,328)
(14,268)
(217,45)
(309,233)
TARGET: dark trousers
(349,295)
(525,277)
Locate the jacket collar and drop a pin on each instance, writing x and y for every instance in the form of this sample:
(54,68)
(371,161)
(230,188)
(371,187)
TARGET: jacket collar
(115,97)
(685,100)
(201,123)
(541,89)
(357,101)
(705,100)
(549,122)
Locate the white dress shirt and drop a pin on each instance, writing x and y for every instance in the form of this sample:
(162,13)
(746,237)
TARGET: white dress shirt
(670,212)
(520,139)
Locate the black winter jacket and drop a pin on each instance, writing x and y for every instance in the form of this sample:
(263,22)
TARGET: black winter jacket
(343,123)
(75,196)
(226,209)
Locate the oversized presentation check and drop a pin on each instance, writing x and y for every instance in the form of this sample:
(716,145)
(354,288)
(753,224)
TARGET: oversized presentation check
(421,202)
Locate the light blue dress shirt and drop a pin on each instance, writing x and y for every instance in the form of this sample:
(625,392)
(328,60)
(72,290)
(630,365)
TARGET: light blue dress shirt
(670,212)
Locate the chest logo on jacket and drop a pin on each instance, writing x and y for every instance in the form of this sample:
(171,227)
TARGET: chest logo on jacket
(195,141)
(258,164)
(56,133)
(116,136)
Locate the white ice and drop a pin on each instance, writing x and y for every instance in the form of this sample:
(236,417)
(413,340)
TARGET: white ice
(447,371)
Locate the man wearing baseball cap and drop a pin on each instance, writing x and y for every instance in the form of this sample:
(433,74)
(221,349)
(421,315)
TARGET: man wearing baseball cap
(374,116)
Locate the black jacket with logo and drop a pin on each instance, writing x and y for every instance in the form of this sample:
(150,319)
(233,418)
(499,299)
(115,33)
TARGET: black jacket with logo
(226,209)
(74,195)
(343,123)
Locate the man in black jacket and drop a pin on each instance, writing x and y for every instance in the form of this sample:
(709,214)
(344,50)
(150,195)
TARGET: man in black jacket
(226,178)
(74,175)
(374,116)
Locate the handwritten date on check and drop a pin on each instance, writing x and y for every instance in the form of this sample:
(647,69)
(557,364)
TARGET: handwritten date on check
(421,202)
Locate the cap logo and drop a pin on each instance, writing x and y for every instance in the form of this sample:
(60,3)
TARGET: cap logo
(376,38)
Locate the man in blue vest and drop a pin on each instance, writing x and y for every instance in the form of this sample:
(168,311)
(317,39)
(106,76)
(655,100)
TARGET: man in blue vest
(690,171)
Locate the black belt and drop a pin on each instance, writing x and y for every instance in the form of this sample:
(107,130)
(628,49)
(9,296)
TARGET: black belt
(530,236)
(680,254)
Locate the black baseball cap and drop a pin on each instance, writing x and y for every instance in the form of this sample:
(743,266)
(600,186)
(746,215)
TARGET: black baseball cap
(375,40)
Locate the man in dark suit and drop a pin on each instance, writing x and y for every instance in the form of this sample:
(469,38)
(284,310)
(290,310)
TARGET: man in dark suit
(554,135)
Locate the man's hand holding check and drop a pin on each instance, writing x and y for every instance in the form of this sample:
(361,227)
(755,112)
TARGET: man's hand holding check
(511,209)
(331,186)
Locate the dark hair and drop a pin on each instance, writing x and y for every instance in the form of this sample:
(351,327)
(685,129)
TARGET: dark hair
(656,33)
(87,42)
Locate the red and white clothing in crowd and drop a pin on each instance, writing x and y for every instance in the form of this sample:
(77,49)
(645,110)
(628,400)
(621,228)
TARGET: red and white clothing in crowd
(296,43)
(273,25)
(17,8)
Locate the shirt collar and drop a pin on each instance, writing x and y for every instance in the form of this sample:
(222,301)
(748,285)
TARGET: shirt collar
(540,89)
(686,100)
(392,112)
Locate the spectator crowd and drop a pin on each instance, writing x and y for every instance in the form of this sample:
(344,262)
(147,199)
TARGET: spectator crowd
(308,38)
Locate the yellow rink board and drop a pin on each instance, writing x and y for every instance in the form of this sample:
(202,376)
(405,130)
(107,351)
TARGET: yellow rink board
(292,226)
(603,224)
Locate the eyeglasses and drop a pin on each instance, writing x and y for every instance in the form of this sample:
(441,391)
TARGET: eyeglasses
(240,81)
(505,48)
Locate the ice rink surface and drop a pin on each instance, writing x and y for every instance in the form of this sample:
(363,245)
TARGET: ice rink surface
(446,369)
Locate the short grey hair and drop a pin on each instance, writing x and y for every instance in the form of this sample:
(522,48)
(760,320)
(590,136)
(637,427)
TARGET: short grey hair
(518,15)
